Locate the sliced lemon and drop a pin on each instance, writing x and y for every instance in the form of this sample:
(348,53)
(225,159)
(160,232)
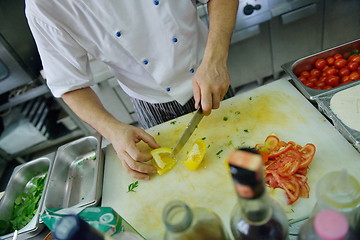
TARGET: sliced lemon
(162,160)
(196,154)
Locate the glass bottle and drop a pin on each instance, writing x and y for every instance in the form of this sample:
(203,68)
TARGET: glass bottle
(255,216)
(185,223)
(326,225)
(340,191)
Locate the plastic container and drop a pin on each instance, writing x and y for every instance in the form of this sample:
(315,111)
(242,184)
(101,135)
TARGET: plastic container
(340,191)
(183,222)
(326,225)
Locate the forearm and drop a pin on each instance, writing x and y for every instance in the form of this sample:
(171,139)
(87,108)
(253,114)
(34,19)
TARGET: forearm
(88,107)
(222,18)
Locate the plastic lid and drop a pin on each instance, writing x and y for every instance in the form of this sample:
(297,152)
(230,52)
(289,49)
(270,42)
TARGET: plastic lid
(331,225)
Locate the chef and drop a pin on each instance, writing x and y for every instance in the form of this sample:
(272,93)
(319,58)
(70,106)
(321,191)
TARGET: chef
(163,56)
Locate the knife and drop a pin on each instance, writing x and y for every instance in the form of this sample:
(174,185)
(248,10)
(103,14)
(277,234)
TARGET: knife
(192,125)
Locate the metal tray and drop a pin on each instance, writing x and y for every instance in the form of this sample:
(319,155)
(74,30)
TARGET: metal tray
(76,180)
(350,134)
(294,68)
(18,183)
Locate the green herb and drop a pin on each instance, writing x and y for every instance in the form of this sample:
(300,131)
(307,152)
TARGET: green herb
(132,186)
(355,52)
(208,146)
(173,122)
(219,152)
(237,112)
(229,143)
(158,133)
(25,206)
(203,138)
(250,98)
(225,118)
(245,130)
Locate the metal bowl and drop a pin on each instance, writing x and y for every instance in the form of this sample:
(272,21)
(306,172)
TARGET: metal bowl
(294,68)
(76,179)
(19,182)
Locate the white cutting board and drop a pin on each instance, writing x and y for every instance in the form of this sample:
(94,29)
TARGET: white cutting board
(277,108)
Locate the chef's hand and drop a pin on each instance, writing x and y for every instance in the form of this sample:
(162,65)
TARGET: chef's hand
(210,84)
(124,139)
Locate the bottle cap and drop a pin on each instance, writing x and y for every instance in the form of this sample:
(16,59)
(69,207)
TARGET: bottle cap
(331,225)
(246,170)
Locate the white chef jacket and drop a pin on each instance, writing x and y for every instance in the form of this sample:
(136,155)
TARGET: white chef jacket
(152,47)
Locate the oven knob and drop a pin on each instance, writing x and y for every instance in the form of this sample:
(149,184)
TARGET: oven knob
(249,9)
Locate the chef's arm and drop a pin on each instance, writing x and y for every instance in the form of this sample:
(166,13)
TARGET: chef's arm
(86,104)
(212,79)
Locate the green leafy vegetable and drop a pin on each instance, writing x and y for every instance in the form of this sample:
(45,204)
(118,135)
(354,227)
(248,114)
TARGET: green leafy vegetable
(245,130)
(173,122)
(132,186)
(25,206)
(225,118)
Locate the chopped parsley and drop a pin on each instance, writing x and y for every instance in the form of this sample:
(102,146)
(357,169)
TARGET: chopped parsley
(245,130)
(225,118)
(132,186)
(173,122)
(219,152)
(203,138)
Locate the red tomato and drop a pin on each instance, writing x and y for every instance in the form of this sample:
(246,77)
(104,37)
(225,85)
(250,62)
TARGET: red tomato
(354,76)
(304,190)
(330,60)
(306,74)
(332,80)
(327,87)
(345,79)
(302,78)
(309,84)
(322,79)
(338,56)
(331,71)
(353,66)
(320,63)
(344,72)
(308,152)
(320,84)
(340,63)
(284,148)
(355,58)
(315,72)
(312,79)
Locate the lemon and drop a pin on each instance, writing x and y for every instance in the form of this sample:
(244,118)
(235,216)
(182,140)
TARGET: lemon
(162,160)
(196,154)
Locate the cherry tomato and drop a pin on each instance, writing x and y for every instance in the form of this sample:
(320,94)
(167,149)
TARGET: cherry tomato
(338,56)
(322,79)
(315,72)
(355,58)
(330,61)
(331,71)
(345,79)
(340,63)
(332,80)
(309,84)
(312,79)
(353,65)
(354,76)
(327,87)
(306,74)
(319,84)
(320,63)
(302,78)
(344,72)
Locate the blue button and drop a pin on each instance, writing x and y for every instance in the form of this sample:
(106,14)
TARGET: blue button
(156,2)
(192,70)
(168,89)
(145,62)
(174,40)
(118,34)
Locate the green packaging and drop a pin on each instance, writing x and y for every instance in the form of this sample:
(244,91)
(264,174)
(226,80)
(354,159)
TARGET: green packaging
(104,219)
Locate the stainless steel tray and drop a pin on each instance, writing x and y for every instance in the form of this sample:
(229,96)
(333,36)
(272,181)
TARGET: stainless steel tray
(18,183)
(350,134)
(294,68)
(76,179)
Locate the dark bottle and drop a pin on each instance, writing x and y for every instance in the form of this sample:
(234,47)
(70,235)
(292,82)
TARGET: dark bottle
(255,216)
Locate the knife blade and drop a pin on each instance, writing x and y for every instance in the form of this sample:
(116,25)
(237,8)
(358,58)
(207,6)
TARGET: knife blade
(190,128)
